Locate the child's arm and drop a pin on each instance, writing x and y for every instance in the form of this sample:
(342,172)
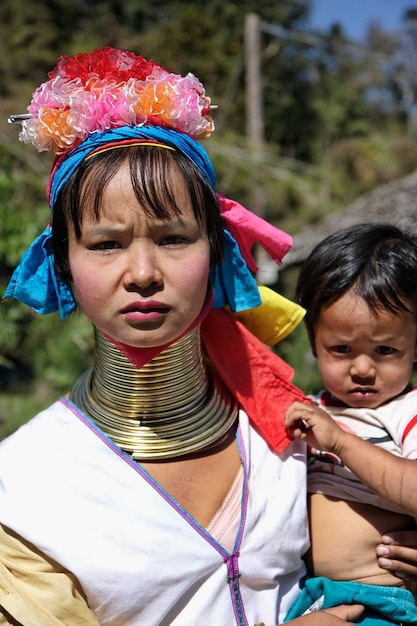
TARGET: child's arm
(393,478)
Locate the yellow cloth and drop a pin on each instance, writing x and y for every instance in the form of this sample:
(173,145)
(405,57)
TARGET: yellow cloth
(274,319)
(36,591)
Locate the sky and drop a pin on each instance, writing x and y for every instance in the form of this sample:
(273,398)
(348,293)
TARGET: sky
(355,15)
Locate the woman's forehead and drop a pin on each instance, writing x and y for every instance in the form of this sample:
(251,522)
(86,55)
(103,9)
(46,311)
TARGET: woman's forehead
(123,194)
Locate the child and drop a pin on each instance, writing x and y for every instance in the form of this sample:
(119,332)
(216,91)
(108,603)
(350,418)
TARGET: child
(359,287)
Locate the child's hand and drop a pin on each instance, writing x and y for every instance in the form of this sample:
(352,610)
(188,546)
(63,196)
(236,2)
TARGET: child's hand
(312,424)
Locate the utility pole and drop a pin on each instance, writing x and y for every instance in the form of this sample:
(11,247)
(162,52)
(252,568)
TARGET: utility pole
(254,117)
(268,270)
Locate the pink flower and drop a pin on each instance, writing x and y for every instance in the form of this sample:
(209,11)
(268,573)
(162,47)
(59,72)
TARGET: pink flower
(110,88)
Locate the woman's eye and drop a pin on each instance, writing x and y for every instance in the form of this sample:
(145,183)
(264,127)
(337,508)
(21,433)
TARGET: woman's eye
(172,240)
(105,245)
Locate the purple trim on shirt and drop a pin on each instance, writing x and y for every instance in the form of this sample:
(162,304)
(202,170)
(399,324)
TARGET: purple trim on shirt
(230,560)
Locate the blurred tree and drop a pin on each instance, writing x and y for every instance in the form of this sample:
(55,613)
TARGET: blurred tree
(207,39)
(32,35)
(403,67)
(316,107)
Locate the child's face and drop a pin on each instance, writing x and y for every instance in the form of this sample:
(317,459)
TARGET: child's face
(139,280)
(364,359)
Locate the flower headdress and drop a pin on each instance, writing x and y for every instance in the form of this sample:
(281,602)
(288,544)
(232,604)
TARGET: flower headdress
(111,88)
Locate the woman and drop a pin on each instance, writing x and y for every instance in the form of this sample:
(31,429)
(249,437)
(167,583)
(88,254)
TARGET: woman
(163,490)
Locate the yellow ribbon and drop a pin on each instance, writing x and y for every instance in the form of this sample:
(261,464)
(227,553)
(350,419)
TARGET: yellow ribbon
(274,319)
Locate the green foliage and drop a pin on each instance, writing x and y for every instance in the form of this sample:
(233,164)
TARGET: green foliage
(42,348)
(23,209)
(33,348)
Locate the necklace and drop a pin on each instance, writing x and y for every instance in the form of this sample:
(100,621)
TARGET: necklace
(172,406)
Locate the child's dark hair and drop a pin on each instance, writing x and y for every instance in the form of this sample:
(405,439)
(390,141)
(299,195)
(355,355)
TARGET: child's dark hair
(377,260)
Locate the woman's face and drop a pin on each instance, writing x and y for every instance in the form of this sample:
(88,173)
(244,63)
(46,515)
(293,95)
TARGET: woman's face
(140,280)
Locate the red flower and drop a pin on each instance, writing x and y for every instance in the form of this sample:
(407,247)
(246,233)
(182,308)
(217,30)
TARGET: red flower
(108,63)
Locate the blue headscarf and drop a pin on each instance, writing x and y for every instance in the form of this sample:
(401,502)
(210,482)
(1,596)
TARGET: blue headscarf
(35,281)
(177,140)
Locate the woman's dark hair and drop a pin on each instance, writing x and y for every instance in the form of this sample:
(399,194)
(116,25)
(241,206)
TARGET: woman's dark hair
(150,171)
(377,260)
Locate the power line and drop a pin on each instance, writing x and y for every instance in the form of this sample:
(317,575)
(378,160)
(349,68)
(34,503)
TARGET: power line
(320,41)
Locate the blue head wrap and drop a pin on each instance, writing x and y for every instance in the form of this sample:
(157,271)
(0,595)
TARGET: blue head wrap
(177,140)
(35,281)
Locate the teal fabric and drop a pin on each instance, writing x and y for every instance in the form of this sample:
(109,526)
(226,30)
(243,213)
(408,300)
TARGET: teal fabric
(233,283)
(36,283)
(383,605)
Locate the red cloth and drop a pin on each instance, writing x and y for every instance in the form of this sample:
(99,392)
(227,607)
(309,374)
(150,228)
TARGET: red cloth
(256,376)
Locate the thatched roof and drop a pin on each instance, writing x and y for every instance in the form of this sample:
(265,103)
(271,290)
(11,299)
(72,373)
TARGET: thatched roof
(395,202)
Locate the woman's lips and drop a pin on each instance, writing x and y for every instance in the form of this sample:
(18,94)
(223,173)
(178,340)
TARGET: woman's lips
(145,311)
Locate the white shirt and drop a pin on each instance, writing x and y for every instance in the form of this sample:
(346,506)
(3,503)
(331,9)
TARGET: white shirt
(139,557)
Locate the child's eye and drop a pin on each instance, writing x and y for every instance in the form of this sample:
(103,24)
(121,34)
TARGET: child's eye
(342,349)
(384,350)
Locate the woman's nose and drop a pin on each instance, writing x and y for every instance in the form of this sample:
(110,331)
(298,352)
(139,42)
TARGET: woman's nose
(143,268)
